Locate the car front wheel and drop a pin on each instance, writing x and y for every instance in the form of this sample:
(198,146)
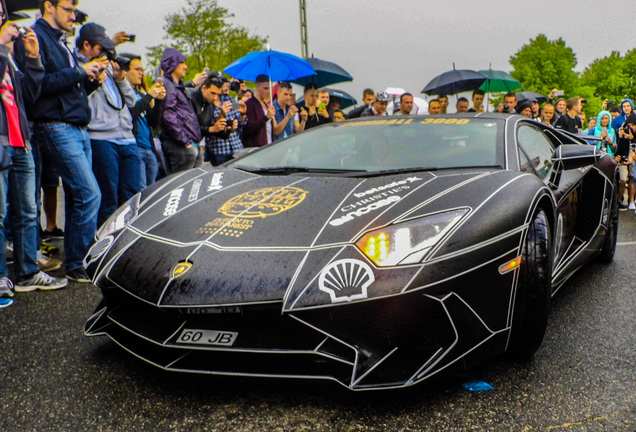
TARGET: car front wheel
(532,298)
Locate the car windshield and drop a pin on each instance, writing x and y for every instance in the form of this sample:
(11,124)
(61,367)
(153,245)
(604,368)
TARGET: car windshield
(363,147)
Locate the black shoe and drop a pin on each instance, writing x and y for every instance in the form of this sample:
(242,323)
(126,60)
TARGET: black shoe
(622,207)
(55,233)
(78,275)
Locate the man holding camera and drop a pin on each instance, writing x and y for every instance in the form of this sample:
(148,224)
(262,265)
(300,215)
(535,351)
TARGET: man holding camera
(625,157)
(17,182)
(508,105)
(116,161)
(220,119)
(60,116)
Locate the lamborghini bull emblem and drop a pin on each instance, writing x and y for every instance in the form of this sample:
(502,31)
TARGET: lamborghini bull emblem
(180,269)
(346,280)
(261,203)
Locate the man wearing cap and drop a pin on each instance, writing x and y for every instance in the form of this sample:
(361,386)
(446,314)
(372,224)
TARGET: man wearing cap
(60,116)
(378,108)
(116,161)
(180,131)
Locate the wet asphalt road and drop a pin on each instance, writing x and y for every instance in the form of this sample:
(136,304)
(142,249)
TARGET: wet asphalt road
(583,378)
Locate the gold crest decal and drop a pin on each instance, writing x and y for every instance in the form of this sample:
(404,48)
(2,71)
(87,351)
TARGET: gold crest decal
(181,268)
(261,203)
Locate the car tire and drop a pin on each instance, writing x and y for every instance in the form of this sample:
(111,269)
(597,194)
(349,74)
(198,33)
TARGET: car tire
(611,235)
(534,289)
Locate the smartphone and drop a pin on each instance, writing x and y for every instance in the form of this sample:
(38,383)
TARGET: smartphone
(559,93)
(132,37)
(159,80)
(322,106)
(236,105)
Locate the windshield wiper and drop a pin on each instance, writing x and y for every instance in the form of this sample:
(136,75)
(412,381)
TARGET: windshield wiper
(398,171)
(296,169)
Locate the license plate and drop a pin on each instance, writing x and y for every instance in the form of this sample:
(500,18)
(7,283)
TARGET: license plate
(207,337)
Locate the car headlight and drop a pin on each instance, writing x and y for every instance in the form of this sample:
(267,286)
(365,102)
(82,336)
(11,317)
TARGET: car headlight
(120,218)
(408,242)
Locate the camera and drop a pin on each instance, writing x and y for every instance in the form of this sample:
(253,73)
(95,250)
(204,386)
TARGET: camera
(123,62)
(132,37)
(23,32)
(506,108)
(559,93)
(583,100)
(609,102)
(235,86)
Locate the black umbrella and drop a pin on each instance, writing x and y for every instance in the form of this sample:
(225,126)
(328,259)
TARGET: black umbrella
(327,73)
(20,5)
(17,16)
(528,95)
(455,81)
(346,100)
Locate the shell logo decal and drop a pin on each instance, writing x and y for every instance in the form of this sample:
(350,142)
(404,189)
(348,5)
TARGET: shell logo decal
(261,203)
(346,280)
(180,269)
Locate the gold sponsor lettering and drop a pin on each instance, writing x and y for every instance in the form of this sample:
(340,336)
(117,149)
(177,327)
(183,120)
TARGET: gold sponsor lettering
(261,203)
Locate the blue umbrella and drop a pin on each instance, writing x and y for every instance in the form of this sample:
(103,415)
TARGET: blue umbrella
(326,73)
(455,81)
(277,65)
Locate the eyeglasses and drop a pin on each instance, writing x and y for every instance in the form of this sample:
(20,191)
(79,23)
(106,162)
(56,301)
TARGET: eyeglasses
(3,16)
(68,10)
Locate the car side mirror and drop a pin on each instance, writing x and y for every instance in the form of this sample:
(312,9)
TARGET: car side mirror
(572,156)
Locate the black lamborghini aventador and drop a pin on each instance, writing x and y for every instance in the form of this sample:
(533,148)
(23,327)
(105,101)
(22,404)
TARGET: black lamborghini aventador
(377,253)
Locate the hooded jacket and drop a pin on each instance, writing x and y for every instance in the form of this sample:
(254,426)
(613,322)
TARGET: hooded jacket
(178,120)
(620,119)
(598,130)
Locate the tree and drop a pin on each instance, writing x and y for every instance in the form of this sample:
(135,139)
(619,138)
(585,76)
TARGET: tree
(201,31)
(543,65)
(607,76)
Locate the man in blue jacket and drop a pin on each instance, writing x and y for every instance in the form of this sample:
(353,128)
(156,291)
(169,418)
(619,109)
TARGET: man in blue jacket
(60,116)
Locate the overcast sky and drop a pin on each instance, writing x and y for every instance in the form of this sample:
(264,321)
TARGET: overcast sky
(398,43)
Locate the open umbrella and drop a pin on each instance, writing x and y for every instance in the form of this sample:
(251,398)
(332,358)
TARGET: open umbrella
(327,73)
(346,100)
(20,5)
(277,65)
(499,81)
(455,81)
(522,96)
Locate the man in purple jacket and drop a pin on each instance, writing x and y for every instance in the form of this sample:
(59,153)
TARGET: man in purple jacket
(180,132)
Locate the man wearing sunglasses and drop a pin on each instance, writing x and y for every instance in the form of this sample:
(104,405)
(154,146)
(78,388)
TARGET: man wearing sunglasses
(60,117)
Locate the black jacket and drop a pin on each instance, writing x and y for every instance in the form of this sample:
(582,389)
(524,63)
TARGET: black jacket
(65,89)
(26,86)
(153,114)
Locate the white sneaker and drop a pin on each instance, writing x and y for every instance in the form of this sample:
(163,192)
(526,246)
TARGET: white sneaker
(40,281)
(632,206)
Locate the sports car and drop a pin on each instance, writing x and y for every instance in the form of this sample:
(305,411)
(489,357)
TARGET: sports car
(377,253)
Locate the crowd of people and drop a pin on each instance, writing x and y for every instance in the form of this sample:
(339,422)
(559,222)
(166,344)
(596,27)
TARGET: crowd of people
(88,118)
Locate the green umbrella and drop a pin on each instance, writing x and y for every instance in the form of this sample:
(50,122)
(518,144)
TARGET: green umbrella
(499,81)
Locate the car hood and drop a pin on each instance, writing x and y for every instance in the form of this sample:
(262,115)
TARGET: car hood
(248,238)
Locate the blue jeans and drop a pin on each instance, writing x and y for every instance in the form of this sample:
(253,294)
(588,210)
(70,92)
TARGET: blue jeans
(117,169)
(149,167)
(216,159)
(18,185)
(70,150)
